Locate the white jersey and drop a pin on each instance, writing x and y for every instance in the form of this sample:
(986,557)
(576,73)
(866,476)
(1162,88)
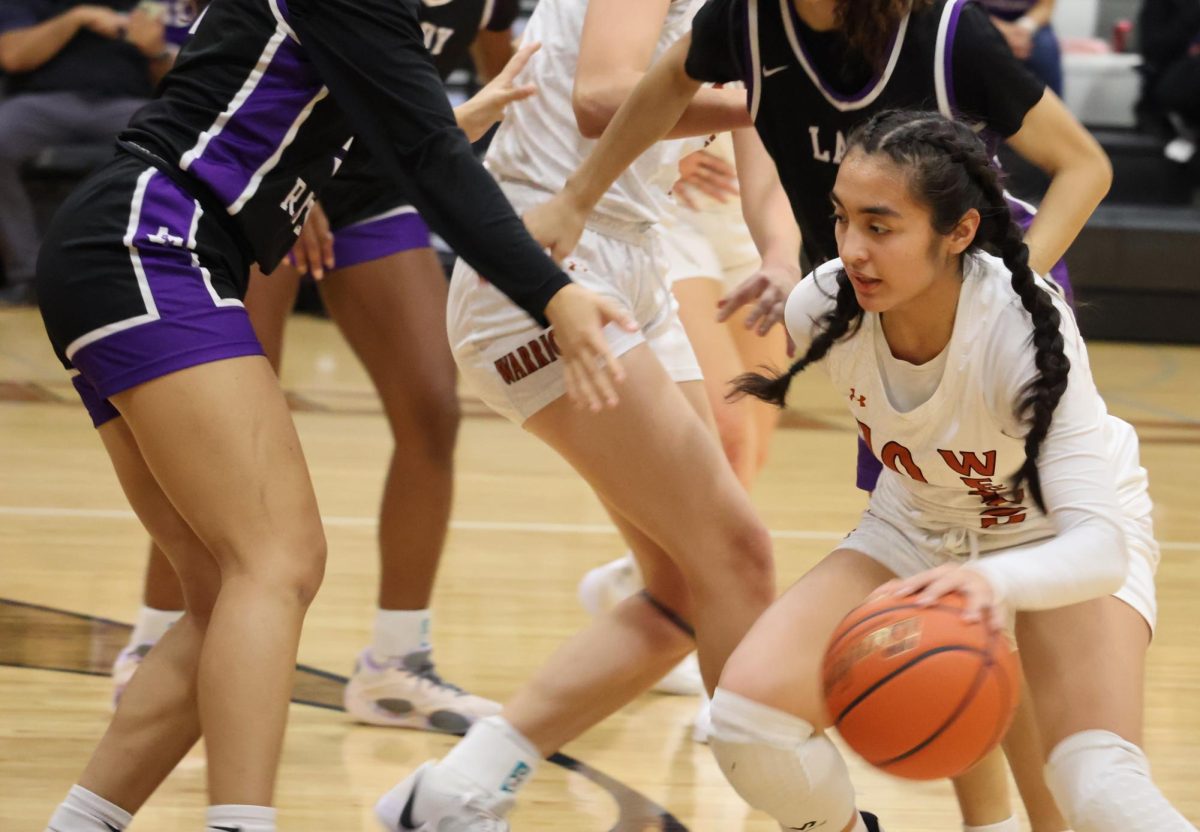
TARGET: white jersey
(539,141)
(950,458)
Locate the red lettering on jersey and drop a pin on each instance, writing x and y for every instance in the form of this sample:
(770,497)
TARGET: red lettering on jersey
(551,345)
(893,452)
(1002,516)
(527,360)
(505,370)
(865,432)
(970,464)
(535,347)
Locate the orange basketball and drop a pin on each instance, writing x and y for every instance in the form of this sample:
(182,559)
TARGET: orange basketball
(918,691)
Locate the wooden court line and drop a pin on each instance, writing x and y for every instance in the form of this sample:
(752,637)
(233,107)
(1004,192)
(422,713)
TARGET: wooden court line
(336,521)
(21,620)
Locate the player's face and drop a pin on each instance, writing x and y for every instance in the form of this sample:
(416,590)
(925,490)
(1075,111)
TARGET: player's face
(885,238)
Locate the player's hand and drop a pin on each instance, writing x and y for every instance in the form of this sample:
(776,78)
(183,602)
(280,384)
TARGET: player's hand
(147,32)
(710,175)
(105,22)
(313,251)
(557,225)
(477,115)
(982,602)
(766,293)
(590,370)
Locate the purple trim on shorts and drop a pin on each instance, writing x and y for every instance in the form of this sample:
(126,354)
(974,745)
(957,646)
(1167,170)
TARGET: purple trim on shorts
(1058,272)
(98,407)
(830,91)
(869,468)
(948,55)
(191,328)
(257,130)
(374,239)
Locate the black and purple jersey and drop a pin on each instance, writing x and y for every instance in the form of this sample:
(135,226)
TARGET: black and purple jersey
(807,90)
(266,99)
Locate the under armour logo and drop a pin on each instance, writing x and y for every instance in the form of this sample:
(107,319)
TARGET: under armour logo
(854,397)
(164,237)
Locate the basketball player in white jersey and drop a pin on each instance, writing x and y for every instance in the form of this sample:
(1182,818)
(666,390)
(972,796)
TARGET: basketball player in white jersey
(814,70)
(706,556)
(1004,479)
(711,250)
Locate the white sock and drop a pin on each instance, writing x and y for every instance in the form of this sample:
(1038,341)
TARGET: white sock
(493,759)
(85,811)
(152,625)
(1010,825)
(233,817)
(400,632)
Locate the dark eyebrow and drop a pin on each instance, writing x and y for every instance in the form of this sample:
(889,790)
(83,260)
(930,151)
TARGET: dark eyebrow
(877,210)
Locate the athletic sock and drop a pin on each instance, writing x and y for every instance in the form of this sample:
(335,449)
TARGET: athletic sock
(398,633)
(1009,825)
(494,760)
(152,625)
(85,811)
(233,817)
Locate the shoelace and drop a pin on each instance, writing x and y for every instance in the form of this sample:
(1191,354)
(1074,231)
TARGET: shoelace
(424,669)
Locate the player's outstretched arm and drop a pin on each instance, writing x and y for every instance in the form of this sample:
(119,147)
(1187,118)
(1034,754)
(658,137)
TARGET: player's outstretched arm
(772,224)
(1080,175)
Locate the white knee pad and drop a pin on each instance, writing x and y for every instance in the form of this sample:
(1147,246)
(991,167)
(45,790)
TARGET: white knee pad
(1102,784)
(776,764)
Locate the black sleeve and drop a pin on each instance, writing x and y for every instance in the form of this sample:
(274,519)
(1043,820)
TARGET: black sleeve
(504,14)
(718,43)
(990,84)
(372,56)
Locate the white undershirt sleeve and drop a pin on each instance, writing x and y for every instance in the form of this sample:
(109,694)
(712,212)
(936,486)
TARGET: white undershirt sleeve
(1087,557)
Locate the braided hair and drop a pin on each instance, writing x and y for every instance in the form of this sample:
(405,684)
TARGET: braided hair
(950,171)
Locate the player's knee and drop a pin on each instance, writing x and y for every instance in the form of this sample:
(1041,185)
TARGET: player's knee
(778,764)
(428,423)
(744,556)
(1100,780)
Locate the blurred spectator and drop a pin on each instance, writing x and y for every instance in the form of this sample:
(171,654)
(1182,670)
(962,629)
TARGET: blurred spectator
(1169,33)
(1025,24)
(76,73)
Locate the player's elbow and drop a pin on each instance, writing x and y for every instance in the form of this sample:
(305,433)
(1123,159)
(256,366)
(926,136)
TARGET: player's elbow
(594,107)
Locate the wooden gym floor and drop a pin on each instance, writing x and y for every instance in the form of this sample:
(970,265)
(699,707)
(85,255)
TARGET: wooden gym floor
(524,530)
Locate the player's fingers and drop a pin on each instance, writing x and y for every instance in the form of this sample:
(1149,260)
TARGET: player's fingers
(588,396)
(682,193)
(744,293)
(312,253)
(517,62)
(947,582)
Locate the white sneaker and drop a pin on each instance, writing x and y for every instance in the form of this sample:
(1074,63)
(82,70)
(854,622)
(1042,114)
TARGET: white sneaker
(463,813)
(410,694)
(606,586)
(126,664)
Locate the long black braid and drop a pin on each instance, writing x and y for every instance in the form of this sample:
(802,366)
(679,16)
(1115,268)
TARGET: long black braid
(923,143)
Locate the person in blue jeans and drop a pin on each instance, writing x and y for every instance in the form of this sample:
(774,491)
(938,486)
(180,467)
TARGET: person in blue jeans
(1025,24)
